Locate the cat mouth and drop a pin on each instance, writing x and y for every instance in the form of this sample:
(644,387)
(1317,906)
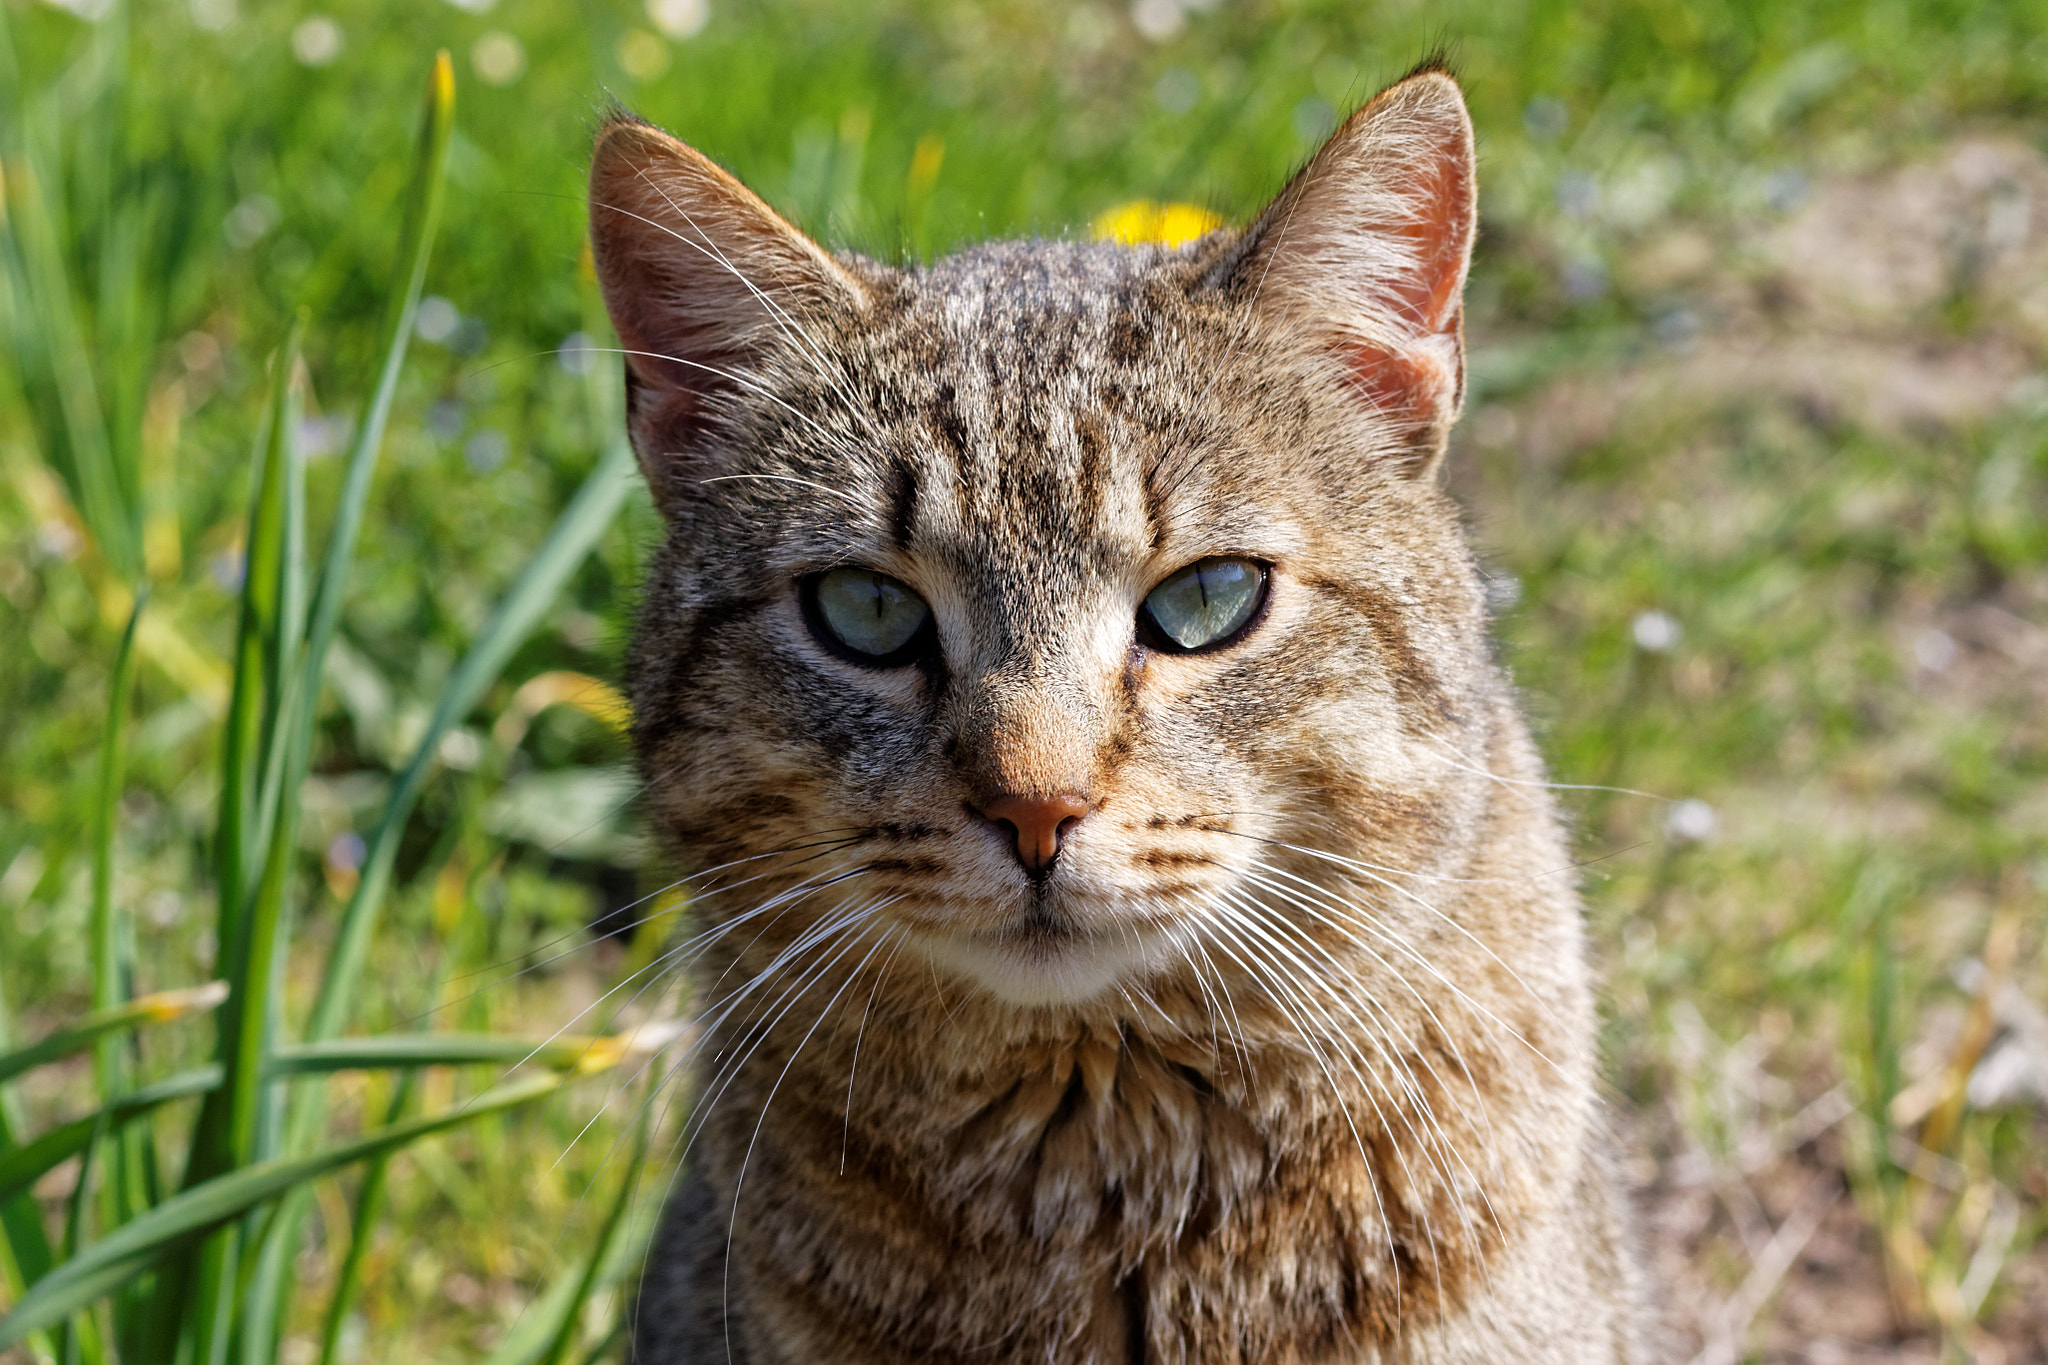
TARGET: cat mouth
(1046,955)
(1042,926)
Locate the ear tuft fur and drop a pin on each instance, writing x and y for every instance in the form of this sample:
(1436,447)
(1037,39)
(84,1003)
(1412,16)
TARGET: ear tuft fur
(702,280)
(1367,249)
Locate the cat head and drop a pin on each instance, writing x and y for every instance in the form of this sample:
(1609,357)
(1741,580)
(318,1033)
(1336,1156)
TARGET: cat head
(1038,608)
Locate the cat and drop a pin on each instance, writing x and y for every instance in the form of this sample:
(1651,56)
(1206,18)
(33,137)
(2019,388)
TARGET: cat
(1131,925)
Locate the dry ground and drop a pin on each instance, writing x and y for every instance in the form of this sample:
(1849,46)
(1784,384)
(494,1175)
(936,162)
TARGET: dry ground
(1899,309)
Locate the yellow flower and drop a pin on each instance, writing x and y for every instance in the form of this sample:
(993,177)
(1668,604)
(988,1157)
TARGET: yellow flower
(1141,220)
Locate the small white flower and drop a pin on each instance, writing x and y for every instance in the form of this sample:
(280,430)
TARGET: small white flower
(576,354)
(316,41)
(1158,20)
(679,19)
(1691,821)
(1655,632)
(498,58)
(1935,650)
(436,319)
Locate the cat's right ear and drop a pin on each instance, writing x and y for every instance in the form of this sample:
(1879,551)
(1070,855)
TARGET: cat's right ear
(703,281)
(1365,252)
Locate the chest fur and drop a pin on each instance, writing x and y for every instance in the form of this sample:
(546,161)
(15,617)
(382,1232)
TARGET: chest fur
(1108,1200)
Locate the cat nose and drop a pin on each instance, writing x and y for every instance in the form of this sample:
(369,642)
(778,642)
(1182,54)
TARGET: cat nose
(1037,822)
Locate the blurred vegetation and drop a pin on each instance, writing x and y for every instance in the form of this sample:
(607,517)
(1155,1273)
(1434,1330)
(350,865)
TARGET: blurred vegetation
(1804,614)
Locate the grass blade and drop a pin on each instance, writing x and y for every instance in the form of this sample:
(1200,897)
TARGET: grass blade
(109,988)
(48,342)
(535,1333)
(161,1008)
(25,1252)
(249,742)
(369,1208)
(255,1123)
(614,1223)
(254,684)
(124,1183)
(225,1119)
(416,243)
(581,1055)
(587,517)
(21,1167)
(135,1247)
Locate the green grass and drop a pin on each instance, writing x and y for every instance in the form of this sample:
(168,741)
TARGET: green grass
(178,197)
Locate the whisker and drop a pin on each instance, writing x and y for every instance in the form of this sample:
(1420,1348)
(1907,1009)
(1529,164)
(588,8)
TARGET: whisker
(1353,915)
(1305,1036)
(1480,770)
(647,919)
(1390,1031)
(846,1131)
(758,1031)
(1408,895)
(1351,1056)
(740,1181)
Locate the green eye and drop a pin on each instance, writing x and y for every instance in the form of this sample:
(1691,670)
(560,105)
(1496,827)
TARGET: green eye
(867,615)
(1204,604)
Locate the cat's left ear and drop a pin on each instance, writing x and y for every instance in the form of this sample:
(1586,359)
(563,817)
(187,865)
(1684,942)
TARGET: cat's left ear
(707,286)
(1366,250)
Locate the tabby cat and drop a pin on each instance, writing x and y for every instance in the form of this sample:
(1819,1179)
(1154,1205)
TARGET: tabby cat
(1130,922)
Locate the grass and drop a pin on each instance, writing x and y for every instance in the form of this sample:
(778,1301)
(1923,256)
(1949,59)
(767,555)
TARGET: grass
(1796,603)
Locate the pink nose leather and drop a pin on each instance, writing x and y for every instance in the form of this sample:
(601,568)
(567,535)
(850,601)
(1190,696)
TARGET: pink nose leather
(1038,821)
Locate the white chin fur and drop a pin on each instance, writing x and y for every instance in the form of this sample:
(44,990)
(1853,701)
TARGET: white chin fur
(1035,973)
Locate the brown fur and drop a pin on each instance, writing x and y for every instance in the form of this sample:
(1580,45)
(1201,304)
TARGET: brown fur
(1290,1056)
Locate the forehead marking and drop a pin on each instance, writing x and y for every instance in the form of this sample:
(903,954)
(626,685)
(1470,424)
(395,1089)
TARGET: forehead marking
(902,504)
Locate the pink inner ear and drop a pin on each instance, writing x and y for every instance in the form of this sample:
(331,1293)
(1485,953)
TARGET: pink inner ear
(1441,231)
(1413,385)
(1421,381)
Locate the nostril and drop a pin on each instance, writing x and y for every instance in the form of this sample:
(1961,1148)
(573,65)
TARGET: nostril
(1035,824)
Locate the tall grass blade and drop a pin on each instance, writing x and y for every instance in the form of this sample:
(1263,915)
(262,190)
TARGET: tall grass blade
(22,1166)
(416,244)
(535,1333)
(109,970)
(571,1053)
(265,589)
(348,1283)
(614,1224)
(575,533)
(161,1008)
(255,684)
(253,1119)
(25,1252)
(250,741)
(48,341)
(77,407)
(123,1191)
(136,1246)
(302,693)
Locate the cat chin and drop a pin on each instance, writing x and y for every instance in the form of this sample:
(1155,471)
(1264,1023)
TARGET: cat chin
(1034,969)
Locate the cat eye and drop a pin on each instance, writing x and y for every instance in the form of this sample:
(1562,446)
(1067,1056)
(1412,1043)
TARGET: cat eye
(1209,603)
(866,617)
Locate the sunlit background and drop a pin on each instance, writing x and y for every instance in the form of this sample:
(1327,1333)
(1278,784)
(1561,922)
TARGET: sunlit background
(1756,454)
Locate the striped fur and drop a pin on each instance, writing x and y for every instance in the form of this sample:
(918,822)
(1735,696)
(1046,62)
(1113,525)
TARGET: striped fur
(1290,1057)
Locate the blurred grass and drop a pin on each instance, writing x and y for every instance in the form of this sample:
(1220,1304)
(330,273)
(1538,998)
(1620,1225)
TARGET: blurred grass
(181,178)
